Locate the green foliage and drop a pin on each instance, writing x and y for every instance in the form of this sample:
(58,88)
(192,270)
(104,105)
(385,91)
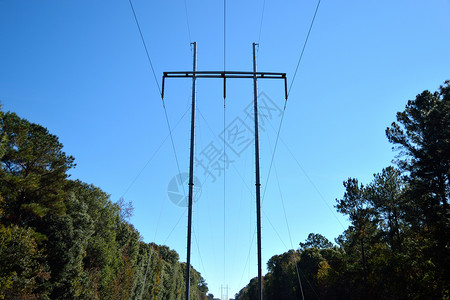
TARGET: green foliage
(33,172)
(423,135)
(316,240)
(63,239)
(23,271)
(281,281)
(249,292)
(398,243)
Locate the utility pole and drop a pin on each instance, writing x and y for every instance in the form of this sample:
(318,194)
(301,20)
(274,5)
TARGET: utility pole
(258,183)
(191,176)
(224,296)
(225,75)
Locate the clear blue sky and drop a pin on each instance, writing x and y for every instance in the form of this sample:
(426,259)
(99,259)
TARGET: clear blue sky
(79,69)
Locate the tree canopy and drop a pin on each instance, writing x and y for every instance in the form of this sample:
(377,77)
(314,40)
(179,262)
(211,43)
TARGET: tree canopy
(397,245)
(65,239)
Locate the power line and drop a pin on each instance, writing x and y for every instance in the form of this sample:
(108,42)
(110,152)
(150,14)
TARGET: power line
(275,230)
(145,45)
(198,250)
(298,271)
(175,226)
(248,255)
(304,46)
(312,183)
(152,156)
(173,147)
(243,181)
(274,148)
(261,23)
(224,32)
(159,88)
(285,217)
(290,87)
(146,270)
(167,121)
(284,108)
(187,21)
(303,171)
(234,167)
(287,248)
(289,233)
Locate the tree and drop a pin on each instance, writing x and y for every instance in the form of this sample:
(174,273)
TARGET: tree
(250,291)
(126,209)
(63,239)
(423,136)
(281,282)
(385,194)
(34,188)
(33,172)
(398,243)
(23,272)
(316,240)
(363,224)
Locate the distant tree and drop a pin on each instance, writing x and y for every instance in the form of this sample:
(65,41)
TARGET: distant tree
(316,240)
(363,224)
(250,291)
(281,281)
(126,209)
(386,196)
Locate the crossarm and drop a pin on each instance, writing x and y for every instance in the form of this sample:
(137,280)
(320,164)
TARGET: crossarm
(225,75)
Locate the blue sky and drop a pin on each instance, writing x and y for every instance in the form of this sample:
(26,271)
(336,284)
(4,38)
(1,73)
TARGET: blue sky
(79,69)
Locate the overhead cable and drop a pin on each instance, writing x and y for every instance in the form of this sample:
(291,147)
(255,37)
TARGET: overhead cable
(187,21)
(145,46)
(304,46)
(261,23)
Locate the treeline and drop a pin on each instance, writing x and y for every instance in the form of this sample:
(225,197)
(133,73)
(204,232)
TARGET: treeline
(65,239)
(398,243)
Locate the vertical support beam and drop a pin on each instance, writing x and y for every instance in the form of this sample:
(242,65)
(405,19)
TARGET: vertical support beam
(258,183)
(191,176)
